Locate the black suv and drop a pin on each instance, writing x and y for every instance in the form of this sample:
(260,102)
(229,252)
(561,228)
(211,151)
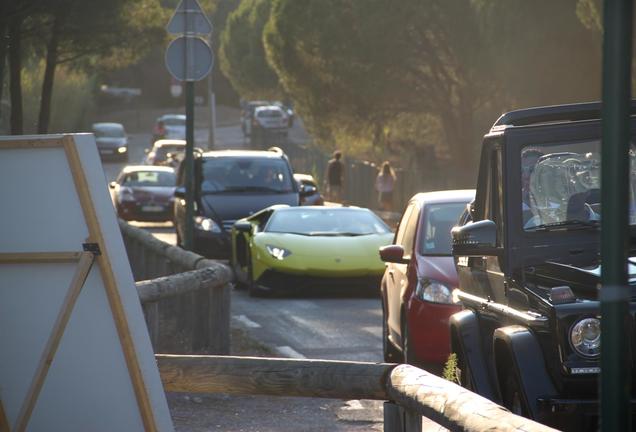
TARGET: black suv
(230,185)
(528,260)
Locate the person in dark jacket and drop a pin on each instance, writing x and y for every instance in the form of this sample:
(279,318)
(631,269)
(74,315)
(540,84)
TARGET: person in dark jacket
(335,177)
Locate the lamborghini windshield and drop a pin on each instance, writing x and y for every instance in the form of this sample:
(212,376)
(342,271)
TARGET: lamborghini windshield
(326,222)
(560,186)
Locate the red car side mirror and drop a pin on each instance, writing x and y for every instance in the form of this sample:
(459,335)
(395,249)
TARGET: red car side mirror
(393,254)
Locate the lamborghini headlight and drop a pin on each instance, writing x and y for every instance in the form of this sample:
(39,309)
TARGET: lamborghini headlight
(206,224)
(585,337)
(434,291)
(278,252)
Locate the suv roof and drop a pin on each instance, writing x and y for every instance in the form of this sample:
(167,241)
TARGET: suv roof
(552,114)
(245,153)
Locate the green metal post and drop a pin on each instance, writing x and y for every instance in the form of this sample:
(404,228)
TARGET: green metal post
(188,241)
(615,364)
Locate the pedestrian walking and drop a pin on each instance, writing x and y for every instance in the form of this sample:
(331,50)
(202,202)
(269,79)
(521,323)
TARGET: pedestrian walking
(335,177)
(384,185)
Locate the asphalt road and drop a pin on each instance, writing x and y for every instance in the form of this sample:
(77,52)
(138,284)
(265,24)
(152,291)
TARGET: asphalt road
(337,326)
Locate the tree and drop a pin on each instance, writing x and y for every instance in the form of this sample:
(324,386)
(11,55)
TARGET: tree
(95,34)
(545,54)
(355,67)
(242,54)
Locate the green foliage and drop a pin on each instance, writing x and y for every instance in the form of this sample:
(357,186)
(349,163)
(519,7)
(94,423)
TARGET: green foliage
(354,69)
(450,369)
(543,58)
(379,77)
(73,100)
(241,53)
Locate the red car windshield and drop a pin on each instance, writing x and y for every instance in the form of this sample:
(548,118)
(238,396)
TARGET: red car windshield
(439,219)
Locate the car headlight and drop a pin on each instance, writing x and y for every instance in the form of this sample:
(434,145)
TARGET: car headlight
(122,149)
(278,252)
(206,224)
(585,337)
(434,291)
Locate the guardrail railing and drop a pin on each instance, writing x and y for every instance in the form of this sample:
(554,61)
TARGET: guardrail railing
(409,393)
(185,297)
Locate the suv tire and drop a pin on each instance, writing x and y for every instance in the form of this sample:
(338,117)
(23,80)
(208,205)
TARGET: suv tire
(511,393)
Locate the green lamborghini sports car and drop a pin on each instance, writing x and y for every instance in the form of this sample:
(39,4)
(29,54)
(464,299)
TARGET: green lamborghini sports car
(309,247)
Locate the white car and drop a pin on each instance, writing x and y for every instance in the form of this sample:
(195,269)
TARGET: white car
(165,152)
(269,119)
(170,126)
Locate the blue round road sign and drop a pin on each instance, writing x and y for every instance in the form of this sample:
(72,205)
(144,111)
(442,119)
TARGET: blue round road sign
(189,58)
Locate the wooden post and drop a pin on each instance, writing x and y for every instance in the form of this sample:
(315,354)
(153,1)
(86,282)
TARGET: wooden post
(398,419)
(200,319)
(219,313)
(273,376)
(450,405)
(392,417)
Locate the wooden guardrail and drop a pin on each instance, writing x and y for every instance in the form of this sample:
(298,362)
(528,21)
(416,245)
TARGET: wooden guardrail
(185,297)
(411,392)
(202,292)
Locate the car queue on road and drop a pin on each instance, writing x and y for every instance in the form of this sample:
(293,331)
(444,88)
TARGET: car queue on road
(497,276)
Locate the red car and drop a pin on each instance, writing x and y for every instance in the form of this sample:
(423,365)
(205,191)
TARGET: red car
(144,193)
(417,287)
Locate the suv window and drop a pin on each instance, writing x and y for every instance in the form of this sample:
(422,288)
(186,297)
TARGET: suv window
(560,184)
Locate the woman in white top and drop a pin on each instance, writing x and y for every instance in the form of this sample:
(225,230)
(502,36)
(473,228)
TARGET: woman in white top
(384,184)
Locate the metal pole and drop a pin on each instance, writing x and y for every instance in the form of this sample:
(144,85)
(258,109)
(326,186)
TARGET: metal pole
(212,119)
(615,364)
(188,241)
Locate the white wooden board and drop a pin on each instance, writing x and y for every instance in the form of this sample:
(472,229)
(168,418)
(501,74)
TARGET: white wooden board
(103,376)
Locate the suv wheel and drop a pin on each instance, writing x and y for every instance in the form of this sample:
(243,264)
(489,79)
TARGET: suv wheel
(512,398)
(391,353)
(462,372)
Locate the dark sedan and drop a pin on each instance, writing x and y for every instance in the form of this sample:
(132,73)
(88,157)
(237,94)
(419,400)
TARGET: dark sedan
(144,193)
(111,140)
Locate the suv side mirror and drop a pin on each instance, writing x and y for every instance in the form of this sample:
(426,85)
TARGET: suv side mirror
(180,192)
(243,227)
(307,189)
(475,239)
(393,254)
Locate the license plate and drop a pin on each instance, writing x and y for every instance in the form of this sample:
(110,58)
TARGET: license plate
(152,208)
(106,151)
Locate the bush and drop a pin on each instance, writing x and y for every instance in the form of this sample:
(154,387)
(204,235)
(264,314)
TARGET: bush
(450,369)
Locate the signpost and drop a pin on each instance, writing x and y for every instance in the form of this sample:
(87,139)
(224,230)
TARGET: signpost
(189,58)
(615,292)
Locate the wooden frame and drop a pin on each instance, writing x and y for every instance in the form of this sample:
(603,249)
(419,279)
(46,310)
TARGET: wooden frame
(4,423)
(103,261)
(84,266)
